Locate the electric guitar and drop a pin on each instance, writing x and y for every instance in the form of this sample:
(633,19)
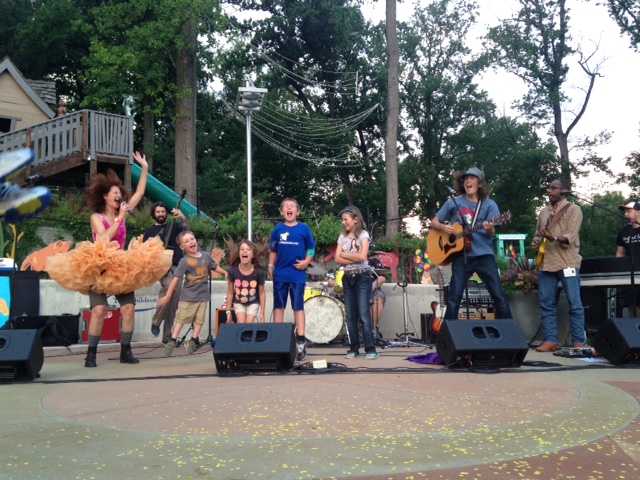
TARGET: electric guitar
(541,250)
(443,247)
(167,238)
(439,309)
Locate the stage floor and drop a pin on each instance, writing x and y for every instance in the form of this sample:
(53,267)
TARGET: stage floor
(390,418)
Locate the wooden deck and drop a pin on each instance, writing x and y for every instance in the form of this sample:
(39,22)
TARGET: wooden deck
(79,138)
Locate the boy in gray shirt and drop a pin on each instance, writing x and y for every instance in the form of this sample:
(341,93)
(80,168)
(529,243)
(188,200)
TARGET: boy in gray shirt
(194,267)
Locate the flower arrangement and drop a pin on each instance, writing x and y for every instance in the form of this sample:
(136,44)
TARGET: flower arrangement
(521,275)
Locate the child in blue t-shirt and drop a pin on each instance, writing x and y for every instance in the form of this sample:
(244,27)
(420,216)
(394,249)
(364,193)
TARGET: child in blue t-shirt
(291,250)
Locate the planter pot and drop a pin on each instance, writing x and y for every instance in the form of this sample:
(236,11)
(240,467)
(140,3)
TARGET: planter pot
(525,308)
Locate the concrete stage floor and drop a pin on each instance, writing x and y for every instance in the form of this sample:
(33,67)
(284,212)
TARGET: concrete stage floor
(175,418)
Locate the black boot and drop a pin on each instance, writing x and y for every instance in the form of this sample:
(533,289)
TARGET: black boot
(126,356)
(90,359)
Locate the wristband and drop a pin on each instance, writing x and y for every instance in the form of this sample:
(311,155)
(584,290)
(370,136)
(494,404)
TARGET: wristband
(228,312)
(555,239)
(117,220)
(271,265)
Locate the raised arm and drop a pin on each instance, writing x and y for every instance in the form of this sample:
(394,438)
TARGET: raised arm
(136,198)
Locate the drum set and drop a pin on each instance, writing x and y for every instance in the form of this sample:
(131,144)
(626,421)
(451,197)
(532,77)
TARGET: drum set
(326,316)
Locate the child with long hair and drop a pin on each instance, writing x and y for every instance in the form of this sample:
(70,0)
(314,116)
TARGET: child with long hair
(246,286)
(352,252)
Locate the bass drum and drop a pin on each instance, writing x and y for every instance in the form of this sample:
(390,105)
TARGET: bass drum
(325,318)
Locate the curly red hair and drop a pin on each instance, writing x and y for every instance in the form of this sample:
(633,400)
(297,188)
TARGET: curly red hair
(100,186)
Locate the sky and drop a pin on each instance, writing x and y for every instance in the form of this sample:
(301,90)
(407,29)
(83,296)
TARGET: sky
(614,105)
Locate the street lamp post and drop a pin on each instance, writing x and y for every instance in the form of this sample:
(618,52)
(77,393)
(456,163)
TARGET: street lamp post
(249,100)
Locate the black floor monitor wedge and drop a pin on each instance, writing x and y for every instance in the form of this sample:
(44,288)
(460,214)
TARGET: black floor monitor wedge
(255,347)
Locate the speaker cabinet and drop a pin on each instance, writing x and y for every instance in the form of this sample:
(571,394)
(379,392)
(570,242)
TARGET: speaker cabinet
(481,343)
(56,330)
(618,340)
(21,354)
(255,347)
(25,292)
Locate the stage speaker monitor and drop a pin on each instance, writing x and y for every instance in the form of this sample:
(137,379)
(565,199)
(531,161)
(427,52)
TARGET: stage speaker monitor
(618,340)
(21,354)
(255,347)
(481,344)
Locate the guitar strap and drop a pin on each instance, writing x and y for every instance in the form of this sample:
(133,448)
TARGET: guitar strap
(556,218)
(476,215)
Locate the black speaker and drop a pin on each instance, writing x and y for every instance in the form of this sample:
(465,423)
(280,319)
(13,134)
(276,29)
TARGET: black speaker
(21,354)
(481,343)
(618,340)
(25,292)
(255,347)
(56,330)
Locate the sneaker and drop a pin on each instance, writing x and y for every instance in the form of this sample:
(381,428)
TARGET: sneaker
(191,346)
(155,330)
(19,204)
(168,349)
(12,163)
(301,350)
(351,355)
(372,356)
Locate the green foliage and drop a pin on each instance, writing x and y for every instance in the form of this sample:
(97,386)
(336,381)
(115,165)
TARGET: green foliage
(326,230)
(626,13)
(600,227)
(520,276)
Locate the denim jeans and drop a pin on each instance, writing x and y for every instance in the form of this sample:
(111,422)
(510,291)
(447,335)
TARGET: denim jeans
(487,269)
(548,289)
(357,302)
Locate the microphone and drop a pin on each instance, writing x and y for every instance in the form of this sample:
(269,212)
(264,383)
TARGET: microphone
(566,192)
(451,190)
(130,211)
(34,178)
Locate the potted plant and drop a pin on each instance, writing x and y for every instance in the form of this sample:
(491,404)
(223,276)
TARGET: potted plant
(521,275)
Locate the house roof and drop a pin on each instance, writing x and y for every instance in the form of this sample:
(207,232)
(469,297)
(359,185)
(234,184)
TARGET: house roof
(7,66)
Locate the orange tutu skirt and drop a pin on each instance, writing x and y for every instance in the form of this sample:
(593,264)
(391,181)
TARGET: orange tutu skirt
(104,268)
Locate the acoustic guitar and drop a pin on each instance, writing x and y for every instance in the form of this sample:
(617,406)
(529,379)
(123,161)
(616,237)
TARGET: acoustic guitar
(443,247)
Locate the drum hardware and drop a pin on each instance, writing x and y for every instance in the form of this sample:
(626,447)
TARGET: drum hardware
(315,268)
(325,318)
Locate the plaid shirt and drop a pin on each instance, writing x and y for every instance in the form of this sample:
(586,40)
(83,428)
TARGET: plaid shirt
(559,256)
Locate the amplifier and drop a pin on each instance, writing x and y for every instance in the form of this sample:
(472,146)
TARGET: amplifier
(110,329)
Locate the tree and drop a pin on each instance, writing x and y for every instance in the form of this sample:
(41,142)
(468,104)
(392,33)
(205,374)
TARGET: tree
(150,49)
(43,46)
(311,55)
(535,46)
(439,96)
(393,116)
(626,13)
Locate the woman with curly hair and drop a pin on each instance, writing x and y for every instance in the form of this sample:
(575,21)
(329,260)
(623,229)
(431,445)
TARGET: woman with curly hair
(112,205)
(103,267)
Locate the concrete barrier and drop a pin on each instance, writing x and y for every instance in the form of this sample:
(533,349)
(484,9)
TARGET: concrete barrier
(54,300)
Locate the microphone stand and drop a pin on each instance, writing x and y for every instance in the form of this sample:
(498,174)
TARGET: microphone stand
(406,339)
(631,243)
(466,228)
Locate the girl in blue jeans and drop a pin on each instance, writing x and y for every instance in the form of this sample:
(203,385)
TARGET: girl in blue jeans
(352,252)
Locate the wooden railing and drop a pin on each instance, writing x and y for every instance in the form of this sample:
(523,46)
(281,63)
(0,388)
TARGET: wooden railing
(65,142)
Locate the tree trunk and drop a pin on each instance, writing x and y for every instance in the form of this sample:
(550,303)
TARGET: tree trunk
(393,114)
(149,131)
(185,171)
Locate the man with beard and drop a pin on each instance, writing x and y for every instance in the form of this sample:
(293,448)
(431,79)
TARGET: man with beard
(165,314)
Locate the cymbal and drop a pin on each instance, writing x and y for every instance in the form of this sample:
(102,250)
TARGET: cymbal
(315,268)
